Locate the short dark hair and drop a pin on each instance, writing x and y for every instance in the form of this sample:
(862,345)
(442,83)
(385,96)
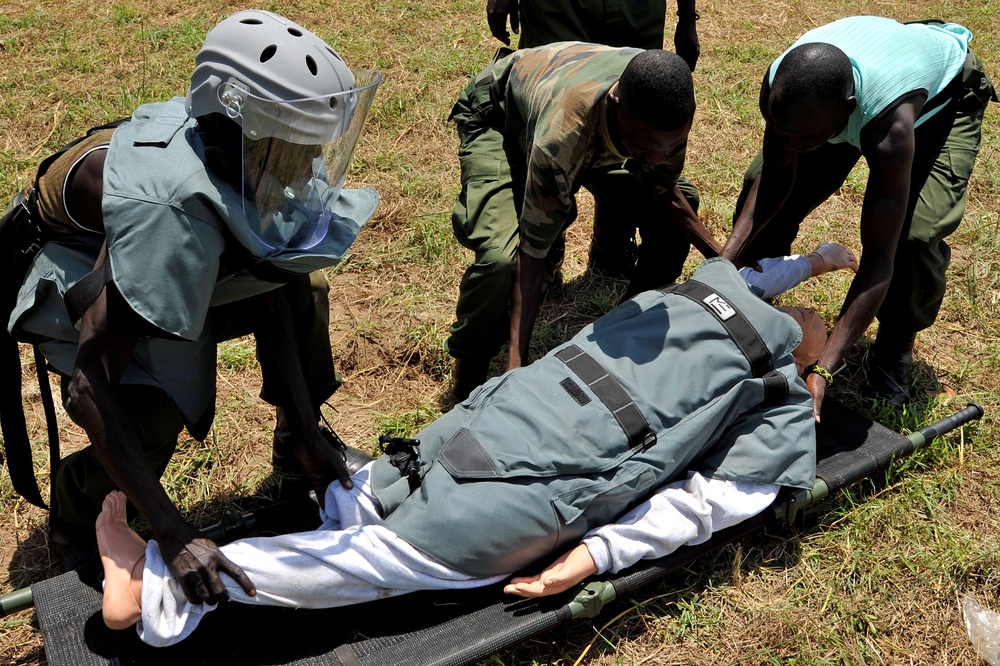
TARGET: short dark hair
(811,77)
(656,87)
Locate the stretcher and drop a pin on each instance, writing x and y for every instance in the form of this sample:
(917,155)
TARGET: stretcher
(440,628)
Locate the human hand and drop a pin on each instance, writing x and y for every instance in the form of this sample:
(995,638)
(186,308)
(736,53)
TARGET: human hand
(196,563)
(817,386)
(564,573)
(323,460)
(833,257)
(497,12)
(686,39)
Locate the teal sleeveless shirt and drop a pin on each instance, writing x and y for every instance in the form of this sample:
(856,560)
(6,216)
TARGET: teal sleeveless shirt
(890,59)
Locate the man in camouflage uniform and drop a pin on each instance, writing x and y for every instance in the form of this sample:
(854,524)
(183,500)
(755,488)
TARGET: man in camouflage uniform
(537,125)
(609,22)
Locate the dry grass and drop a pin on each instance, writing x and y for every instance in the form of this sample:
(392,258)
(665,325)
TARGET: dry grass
(879,582)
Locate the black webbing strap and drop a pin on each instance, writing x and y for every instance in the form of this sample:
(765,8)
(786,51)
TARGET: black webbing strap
(611,393)
(742,332)
(740,329)
(17,445)
(49,407)
(82,295)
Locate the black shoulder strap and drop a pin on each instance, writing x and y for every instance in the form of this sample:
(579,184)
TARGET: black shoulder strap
(16,444)
(82,295)
(742,332)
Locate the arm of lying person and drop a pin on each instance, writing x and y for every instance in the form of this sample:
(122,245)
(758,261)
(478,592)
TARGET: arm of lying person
(685,512)
(779,274)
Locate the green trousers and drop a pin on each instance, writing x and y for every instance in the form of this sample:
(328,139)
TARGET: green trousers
(485,220)
(611,22)
(81,481)
(946,149)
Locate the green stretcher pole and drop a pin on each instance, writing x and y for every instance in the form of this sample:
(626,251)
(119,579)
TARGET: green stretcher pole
(802,502)
(17,600)
(595,595)
(592,598)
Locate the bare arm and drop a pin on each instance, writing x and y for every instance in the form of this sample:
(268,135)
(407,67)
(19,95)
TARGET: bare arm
(889,149)
(526,298)
(108,336)
(683,217)
(766,196)
(281,366)
(686,33)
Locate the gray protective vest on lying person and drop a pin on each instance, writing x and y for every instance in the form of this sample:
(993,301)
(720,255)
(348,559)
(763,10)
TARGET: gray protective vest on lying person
(695,376)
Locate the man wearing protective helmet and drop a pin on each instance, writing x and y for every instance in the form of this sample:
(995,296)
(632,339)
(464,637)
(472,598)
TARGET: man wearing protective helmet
(206,218)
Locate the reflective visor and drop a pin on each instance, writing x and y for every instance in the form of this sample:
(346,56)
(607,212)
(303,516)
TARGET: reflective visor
(295,155)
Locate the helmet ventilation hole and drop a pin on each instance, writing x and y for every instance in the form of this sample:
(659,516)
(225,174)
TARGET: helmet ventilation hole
(294,32)
(311,64)
(268,53)
(251,21)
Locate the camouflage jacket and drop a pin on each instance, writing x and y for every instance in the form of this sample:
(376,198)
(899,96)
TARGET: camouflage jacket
(554,103)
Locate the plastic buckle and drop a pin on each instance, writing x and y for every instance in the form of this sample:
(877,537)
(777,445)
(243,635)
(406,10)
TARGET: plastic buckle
(402,452)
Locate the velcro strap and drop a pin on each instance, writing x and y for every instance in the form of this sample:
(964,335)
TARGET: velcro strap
(611,393)
(740,329)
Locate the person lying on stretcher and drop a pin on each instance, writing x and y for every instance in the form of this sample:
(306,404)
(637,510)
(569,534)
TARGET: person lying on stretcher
(678,414)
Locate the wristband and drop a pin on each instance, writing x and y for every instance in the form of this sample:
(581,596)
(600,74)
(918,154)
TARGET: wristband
(696,15)
(817,369)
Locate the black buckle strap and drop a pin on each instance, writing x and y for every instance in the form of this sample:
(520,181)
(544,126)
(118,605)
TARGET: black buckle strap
(742,332)
(611,393)
(739,327)
(402,452)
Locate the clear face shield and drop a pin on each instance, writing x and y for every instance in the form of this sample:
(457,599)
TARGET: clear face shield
(295,155)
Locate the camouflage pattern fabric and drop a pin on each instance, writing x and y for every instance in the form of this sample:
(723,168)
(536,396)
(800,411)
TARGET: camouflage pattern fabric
(553,102)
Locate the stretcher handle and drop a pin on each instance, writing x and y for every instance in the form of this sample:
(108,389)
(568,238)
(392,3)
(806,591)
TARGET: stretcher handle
(972,412)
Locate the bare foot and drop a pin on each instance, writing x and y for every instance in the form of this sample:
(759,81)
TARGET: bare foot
(123,552)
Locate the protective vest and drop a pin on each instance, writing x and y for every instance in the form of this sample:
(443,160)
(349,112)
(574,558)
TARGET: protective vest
(539,456)
(168,221)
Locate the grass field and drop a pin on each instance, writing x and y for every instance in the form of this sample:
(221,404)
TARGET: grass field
(878,581)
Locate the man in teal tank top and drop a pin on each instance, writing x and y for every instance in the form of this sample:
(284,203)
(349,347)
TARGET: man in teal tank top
(910,99)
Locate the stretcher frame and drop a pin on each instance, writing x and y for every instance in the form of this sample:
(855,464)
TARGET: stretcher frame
(435,628)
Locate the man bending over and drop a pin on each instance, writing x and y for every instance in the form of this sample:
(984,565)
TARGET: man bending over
(910,99)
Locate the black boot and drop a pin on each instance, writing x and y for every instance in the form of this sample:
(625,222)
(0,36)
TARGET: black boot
(612,255)
(284,462)
(468,374)
(889,359)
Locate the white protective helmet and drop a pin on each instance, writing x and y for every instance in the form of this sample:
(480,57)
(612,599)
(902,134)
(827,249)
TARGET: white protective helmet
(301,109)
(271,72)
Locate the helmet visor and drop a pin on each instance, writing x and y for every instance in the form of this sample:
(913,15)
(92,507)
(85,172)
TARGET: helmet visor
(295,155)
